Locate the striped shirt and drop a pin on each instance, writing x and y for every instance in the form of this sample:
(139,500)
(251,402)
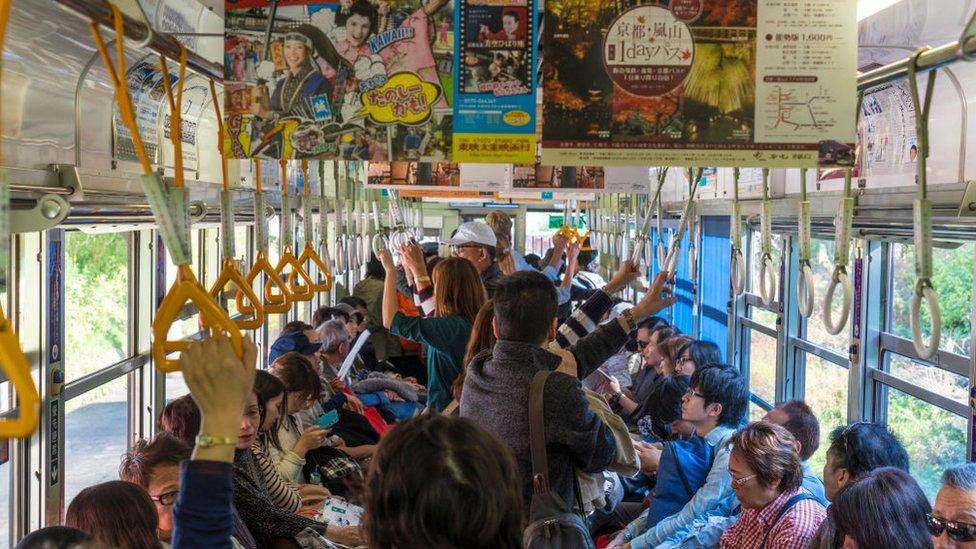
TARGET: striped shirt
(794,529)
(283,493)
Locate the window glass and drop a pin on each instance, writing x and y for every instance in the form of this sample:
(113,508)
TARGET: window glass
(95,425)
(273,230)
(952,277)
(767,318)
(210,239)
(933,437)
(5,482)
(762,365)
(756,412)
(240,241)
(191,325)
(934,379)
(96,297)
(175,386)
(826,395)
(822,264)
(776,254)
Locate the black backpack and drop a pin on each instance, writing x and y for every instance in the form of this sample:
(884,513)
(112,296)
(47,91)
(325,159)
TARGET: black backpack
(552,523)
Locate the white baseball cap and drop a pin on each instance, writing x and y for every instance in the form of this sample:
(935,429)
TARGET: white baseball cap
(473,232)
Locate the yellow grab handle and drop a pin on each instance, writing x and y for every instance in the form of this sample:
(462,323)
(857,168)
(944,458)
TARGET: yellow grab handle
(273,303)
(15,365)
(230,275)
(186,288)
(300,291)
(309,254)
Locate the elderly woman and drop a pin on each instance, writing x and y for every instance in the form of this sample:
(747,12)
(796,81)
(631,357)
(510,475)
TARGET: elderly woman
(766,476)
(883,508)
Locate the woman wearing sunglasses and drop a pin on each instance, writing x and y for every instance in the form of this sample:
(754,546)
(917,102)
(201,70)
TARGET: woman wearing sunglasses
(883,508)
(953,519)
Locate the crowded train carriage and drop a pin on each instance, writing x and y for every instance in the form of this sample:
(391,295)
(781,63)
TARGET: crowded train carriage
(487,274)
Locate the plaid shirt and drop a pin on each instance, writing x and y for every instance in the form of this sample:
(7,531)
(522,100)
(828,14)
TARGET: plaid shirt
(794,530)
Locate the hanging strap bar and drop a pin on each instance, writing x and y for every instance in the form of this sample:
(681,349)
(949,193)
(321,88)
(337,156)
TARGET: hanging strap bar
(767,271)
(308,250)
(922,209)
(671,260)
(804,282)
(737,264)
(643,235)
(277,298)
(299,283)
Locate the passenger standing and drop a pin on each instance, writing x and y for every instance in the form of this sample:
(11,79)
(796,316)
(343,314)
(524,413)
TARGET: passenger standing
(458,295)
(475,242)
(370,290)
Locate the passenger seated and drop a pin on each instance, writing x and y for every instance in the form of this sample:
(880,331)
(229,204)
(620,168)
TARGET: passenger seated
(953,519)
(155,466)
(854,451)
(629,402)
(716,404)
(115,514)
(882,508)
(777,512)
(496,390)
(57,537)
(797,418)
(181,418)
(443,481)
(696,354)
(670,351)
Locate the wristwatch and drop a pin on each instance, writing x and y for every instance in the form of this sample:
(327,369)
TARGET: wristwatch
(206,441)
(616,397)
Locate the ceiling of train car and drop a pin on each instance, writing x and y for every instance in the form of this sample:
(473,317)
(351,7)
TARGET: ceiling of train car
(900,26)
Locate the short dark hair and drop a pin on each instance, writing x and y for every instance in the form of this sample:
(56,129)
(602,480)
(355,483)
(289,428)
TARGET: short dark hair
(664,400)
(325,314)
(465,495)
(117,514)
(771,453)
(295,326)
(525,306)
(56,537)
(802,423)
(702,351)
(883,508)
(181,418)
(862,447)
(652,323)
(374,268)
(145,456)
(354,301)
(363,8)
(722,384)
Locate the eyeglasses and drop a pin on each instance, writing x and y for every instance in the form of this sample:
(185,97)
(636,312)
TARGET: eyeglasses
(642,344)
(166,499)
(693,393)
(740,482)
(958,531)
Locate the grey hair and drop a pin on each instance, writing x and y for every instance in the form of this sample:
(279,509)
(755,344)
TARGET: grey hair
(333,334)
(962,476)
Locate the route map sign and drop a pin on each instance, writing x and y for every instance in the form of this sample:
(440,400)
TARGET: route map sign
(766,83)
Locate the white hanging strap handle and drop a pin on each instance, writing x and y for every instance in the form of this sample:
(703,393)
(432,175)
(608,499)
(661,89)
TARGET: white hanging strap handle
(323,239)
(804,283)
(737,263)
(643,235)
(260,212)
(286,233)
(922,210)
(767,270)
(671,260)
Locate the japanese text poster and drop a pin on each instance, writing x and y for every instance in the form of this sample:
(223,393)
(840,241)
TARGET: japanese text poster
(354,80)
(699,82)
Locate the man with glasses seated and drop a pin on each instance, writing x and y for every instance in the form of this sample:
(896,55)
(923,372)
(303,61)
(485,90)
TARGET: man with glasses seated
(155,465)
(475,241)
(854,451)
(952,522)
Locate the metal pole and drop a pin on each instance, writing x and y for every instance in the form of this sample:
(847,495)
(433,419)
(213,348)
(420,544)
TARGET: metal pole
(958,50)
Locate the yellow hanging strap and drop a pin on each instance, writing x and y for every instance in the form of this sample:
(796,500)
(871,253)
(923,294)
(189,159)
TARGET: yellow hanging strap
(274,303)
(13,362)
(229,273)
(300,291)
(308,250)
(169,209)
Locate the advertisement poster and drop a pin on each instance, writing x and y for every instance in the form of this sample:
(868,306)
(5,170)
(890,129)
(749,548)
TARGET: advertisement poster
(495,84)
(360,79)
(627,180)
(537,176)
(486,177)
(699,82)
(146,87)
(434,175)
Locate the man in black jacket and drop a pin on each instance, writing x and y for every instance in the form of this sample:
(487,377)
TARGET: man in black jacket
(496,390)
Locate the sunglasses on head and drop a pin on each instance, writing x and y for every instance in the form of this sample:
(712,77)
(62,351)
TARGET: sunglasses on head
(957,531)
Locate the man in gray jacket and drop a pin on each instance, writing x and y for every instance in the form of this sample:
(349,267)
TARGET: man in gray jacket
(496,389)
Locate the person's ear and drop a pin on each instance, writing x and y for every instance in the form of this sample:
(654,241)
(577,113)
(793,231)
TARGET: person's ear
(798,446)
(714,410)
(553,328)
(844,476)
(494,327)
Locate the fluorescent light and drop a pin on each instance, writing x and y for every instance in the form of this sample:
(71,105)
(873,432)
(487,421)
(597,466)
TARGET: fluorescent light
(867,8)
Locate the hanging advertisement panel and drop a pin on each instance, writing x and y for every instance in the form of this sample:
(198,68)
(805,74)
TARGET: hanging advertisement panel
(413,175)
(494,83)
(356,80)
(699,83)
(538,176)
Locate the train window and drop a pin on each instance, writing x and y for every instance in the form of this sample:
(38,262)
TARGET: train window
(175,386)
(826,386)
(763,316)
(762,365)
(937,380)
(952,278)
(191,324)
(95,425)
(210,239)
(822,263)
(96,299)
(935,438)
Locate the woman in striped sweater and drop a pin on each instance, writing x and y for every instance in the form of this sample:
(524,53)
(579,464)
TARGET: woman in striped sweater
(284,494)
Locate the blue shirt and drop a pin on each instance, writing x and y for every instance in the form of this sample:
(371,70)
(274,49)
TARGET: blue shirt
(203,514)
(551,273)
(714,498)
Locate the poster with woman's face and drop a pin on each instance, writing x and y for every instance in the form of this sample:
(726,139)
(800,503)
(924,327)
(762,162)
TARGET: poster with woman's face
(351,79)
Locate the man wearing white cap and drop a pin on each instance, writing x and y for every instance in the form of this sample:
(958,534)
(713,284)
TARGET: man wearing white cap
(475,241)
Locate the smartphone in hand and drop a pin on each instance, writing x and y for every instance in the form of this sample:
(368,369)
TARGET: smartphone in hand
(328,419)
